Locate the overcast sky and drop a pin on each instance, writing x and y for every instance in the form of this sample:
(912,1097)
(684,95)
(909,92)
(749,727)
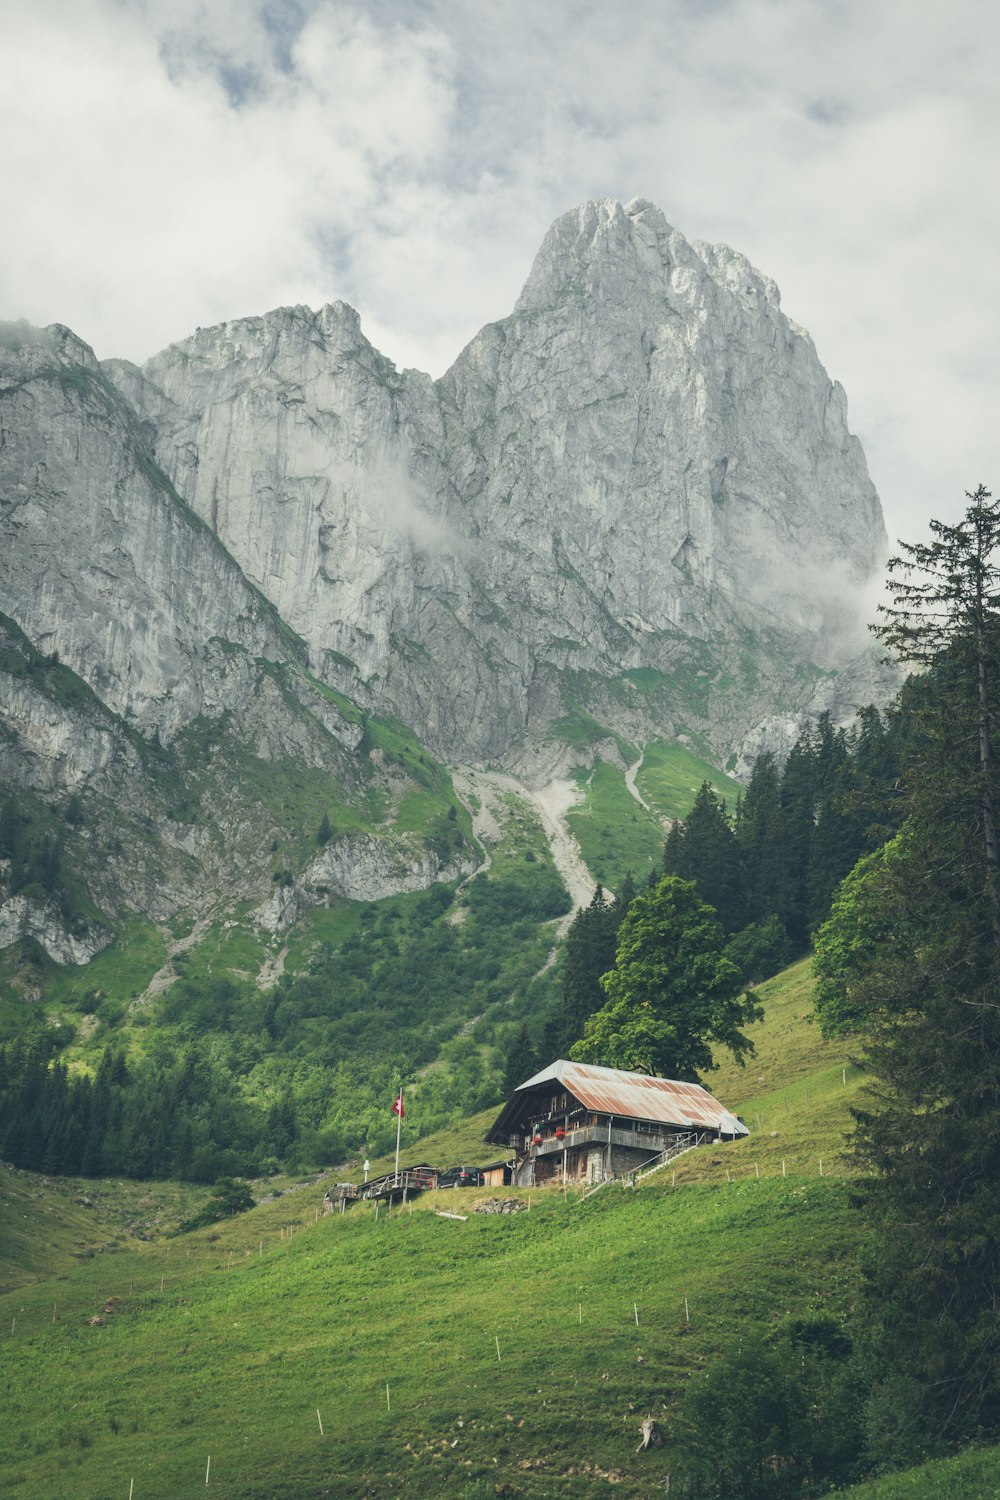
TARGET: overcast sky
(166,164)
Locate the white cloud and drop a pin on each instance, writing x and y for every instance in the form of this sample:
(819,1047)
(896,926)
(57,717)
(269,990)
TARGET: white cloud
(169,163)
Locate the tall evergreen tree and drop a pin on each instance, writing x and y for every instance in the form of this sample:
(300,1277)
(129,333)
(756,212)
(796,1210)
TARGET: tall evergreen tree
(919,959)
(704,849)
(795,840)
(834,845)
(759,835)
(590,952)
(522,1061)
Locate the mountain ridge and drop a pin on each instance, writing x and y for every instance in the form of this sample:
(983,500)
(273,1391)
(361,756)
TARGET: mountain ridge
(559,500)
(630,511)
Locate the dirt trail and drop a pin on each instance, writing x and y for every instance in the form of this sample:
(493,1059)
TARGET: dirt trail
(630,776)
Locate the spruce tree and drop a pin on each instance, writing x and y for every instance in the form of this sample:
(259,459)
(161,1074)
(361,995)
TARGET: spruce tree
(927,985)
(522,1061)
(590,952)
(704,849)
(759,835)
(795,841)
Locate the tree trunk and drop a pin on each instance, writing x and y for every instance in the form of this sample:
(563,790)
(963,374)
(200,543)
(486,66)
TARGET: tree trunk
(989,810)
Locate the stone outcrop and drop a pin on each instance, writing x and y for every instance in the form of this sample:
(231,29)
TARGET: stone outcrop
(103,563)
(21,917)
(361,867)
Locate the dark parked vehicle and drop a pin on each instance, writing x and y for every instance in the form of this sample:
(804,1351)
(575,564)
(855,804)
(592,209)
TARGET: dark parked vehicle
(456,1177)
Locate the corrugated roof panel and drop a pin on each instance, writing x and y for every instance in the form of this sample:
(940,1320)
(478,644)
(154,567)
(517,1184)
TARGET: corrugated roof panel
(610,1091)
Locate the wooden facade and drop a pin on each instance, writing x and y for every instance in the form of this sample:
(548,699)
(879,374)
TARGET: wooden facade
(576,1123)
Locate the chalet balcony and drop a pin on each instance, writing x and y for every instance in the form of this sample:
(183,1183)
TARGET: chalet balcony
(597,1135)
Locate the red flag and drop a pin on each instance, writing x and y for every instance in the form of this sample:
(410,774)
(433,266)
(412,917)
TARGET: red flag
(397,1105)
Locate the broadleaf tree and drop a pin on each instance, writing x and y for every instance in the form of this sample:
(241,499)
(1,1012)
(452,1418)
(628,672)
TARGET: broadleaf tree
(672,993)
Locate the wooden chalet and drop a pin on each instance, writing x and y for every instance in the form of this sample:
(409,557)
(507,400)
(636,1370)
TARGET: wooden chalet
(575,1122)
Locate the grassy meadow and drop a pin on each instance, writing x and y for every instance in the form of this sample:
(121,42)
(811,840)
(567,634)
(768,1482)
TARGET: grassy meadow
(403,1353)
(615,832)
(519,1351)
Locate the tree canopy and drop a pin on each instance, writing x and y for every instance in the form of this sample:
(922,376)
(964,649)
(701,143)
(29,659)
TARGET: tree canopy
(672,992)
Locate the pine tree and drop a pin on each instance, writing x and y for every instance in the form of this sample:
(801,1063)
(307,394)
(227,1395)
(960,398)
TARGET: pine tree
(522,1062)
(795,840)
(945,614)
(835,846)
(919,961)
(704,849)
(590,952)
(759,835)
(626,895)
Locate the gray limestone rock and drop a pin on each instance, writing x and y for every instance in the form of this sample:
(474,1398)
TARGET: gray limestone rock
(634,506)
(102,562)
(21,917)
(646,454)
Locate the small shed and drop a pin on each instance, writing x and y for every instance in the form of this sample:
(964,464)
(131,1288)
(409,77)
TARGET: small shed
(580,1122)
(497,1173)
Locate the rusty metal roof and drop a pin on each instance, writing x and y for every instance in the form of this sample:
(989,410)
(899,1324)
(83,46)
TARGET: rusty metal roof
(609,1091)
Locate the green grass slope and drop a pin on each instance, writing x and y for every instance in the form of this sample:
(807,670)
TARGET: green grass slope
(520,1352)
(615,832)
(670,776)
(969,1476)
(509,1345)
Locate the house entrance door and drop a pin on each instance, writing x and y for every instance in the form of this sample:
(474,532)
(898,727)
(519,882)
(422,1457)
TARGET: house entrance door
(595,1165)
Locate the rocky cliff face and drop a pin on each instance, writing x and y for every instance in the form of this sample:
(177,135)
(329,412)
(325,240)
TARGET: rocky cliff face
(142,674)
(103,563)
(633,508)
(644,467)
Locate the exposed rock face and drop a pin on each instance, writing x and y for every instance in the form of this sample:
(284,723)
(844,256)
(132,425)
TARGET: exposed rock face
(103,563)
(360,868)
(632,506)
(20,917)
(647,454)
(138,668)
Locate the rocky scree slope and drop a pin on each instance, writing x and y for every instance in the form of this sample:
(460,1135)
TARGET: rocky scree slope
(644,468)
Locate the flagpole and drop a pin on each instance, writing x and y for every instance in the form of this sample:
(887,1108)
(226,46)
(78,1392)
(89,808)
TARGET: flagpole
(399,1126)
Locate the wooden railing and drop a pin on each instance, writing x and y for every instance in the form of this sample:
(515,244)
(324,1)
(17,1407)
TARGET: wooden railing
(597,1135)
(677,1147)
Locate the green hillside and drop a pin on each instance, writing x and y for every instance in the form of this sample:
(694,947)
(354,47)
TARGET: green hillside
(618,832)
(974,1475)
(336,1011)
(520,1352)
(227,1341)
(670,776)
